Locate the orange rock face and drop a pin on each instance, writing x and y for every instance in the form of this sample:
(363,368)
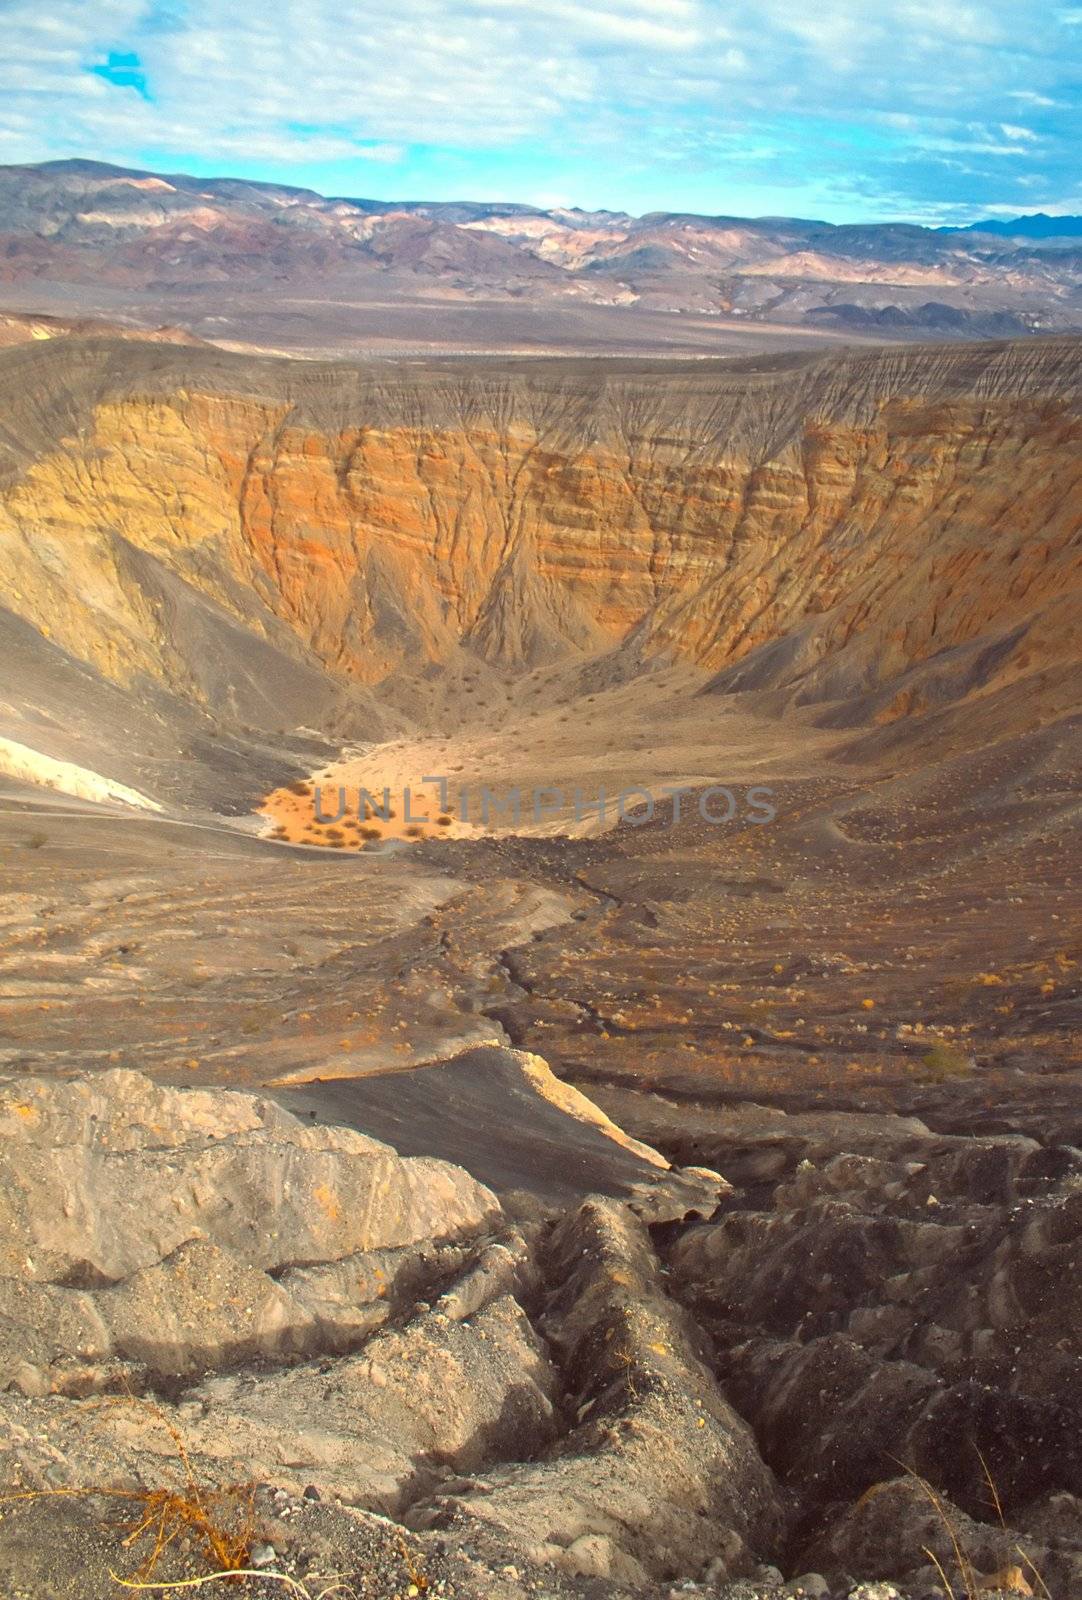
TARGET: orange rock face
(860,516)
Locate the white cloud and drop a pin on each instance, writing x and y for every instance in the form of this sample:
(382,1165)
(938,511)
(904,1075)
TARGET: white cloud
(309,80)
(659,28)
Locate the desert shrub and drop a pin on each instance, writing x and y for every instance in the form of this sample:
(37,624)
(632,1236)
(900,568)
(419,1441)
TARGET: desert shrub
(218,1520)
(945,1061)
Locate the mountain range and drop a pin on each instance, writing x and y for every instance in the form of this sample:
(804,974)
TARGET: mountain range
(1037,226)
(89,238)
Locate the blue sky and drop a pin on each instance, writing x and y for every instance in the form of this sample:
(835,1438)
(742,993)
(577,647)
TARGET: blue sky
(925,110)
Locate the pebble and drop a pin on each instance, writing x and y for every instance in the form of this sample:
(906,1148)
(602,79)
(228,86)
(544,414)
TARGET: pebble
(263,1555)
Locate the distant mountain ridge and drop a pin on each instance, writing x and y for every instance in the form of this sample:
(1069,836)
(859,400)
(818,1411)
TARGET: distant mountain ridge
(1036,225)
(174,235)
(1039,225)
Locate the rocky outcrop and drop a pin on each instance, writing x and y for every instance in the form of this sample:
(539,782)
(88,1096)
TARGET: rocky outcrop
(30,327)
(542,1407)
(910,1308)
(199,1272)
(107,1176)
(150,1233)
(660,1474)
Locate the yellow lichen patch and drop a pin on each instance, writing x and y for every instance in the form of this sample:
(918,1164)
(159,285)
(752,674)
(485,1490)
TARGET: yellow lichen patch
(327,1201)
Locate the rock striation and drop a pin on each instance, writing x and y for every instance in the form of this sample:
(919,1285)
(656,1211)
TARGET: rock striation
(892,530)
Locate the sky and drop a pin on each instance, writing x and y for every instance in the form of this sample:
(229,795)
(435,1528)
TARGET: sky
(929,111)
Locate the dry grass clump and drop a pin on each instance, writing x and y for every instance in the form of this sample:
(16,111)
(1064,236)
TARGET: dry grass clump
(218,1524)
(944,1061)
(975,1585)
(219,1520)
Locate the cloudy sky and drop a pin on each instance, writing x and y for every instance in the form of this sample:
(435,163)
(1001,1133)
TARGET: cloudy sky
(930,110)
